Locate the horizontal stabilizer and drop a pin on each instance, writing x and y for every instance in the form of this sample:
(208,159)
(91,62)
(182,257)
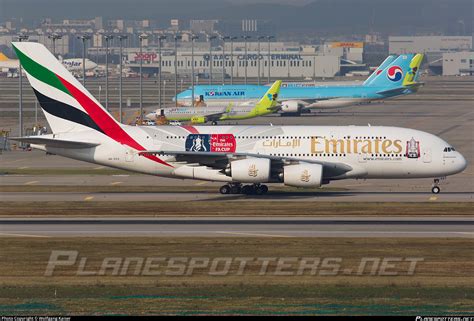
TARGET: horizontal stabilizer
(51,142)
(401,90)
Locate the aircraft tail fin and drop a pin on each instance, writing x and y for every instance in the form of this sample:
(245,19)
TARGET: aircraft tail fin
(3,57)
(379,69)
(394,74)
(68,106)
(270,99)
(413,73)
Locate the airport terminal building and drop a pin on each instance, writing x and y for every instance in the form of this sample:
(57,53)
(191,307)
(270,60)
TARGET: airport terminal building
(283,64)
(429,44)
(458,63)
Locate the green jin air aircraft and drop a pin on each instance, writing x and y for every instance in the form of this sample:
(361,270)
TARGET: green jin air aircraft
(267,104)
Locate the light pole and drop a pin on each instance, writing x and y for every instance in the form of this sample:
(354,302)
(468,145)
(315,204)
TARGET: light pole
(193,37)
(140,38)
(268,61)
(246,58)
(21,37)
(120,38)
(53,38)
(160,39)
(107,38)
(258,57)
(232,59)
(176,37)
(84,38)
(223,38)
(164,88)
(210,38)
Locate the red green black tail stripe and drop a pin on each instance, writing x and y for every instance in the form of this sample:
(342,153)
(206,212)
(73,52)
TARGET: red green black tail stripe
(65,111)
(96,117)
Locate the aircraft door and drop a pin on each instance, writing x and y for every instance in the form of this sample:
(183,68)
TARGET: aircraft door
(362,158)
(427,155)
(129,155)
(158,139)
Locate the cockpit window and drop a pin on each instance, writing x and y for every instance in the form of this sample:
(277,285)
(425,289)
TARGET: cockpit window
(449,149)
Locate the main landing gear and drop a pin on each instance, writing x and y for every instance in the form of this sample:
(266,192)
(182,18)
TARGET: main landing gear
(254,189)
(435,188)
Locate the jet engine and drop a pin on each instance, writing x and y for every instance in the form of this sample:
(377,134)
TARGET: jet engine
(198,119)
(250,170)
(303,175)
(291,106)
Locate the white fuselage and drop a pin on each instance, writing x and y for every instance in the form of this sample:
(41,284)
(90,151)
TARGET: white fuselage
(370,152)
(187,113)
(73,64)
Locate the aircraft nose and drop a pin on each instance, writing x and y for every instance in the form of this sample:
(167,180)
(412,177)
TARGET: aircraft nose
(461,162)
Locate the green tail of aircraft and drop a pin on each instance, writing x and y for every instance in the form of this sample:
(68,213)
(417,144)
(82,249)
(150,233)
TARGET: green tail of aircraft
(413,73)
(266,105)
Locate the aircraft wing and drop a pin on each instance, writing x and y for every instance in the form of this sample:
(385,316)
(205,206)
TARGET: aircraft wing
(212,116)
(217,115)
(220,161)
(51,142)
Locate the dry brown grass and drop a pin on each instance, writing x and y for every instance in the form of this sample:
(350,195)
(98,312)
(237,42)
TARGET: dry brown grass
(246,206)
(442,283)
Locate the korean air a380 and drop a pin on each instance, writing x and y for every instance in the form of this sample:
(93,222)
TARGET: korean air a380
(394,77)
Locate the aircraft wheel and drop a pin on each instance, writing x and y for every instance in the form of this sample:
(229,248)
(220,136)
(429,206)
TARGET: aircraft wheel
(236,189)
(214,123)
(435,190)
(225,189)
(247,190)
(261,189)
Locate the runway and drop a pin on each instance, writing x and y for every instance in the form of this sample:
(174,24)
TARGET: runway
(228,226)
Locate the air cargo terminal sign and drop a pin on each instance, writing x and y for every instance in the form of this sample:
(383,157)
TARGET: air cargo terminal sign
(150,57)
(290,57)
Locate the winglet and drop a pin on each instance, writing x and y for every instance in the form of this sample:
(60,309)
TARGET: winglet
(228,109)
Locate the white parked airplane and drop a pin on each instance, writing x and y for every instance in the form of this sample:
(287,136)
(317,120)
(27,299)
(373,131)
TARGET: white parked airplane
(302,156)
(73,64)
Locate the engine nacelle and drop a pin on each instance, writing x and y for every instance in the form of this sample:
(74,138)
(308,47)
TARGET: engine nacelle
(291,106)
(250,170)
(303,175)
(198,119)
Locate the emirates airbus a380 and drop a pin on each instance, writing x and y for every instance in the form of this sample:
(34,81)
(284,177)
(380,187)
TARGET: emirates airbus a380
(302,156)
